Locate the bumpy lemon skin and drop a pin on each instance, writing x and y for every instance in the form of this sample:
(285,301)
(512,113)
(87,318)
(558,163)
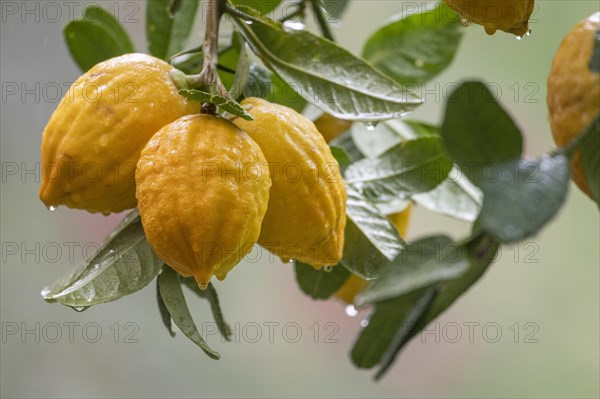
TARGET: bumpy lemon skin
(574,91)
(356,284)
(306,216)
(511,16)
(92,143)
(202,191)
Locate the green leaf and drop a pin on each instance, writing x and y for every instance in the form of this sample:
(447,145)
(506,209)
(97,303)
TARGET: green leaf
(396,321)
(90,43)
(242,74)
(410,167)
(172,295)
(225,104)
(167,34)
(284,94)
(164,312)
(326,75)
(523,196)
(371,240)
(346,143)
(261,6)
(590,155)
(320,284)
(595,59)
(124,264)
(390,318)
(96,14)
(373,141)
(421,264)
(259,82)
(477,131)
(456,197)
(211,295)
(413,49)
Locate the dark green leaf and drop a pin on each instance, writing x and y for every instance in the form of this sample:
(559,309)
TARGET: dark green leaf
(370,238)
(407,168)
(96,14)
(90,43)
(345,142)
(590,155)
(172,295)
(421,264)
(389,319)
(326,75)
(595,60)
(320,284)
(262,6)
(167,34)
(415,48)
(523,196)
(477,131)
(259,82)
(286,94)
(210,293)
(456,196)
(225,104)
(125,264)
(164,312)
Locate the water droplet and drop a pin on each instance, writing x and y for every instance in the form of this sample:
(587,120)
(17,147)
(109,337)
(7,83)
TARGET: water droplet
(328,269)
(465,22)
(203,286)
(528,32)
(248,22)
(103,140)
(79,308)
(290,25)
(290,261)
(370,126)
(45,292)
(419,63)
(518,37)
(351,311)
(364,322)
(51,208)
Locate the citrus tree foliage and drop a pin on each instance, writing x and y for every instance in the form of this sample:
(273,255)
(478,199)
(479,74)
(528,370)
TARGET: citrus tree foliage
(385,157)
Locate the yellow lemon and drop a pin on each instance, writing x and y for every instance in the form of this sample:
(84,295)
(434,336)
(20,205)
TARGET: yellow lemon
(202,190)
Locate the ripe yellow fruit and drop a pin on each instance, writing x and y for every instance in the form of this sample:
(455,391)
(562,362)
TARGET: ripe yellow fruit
(510,16)
(574,91)
(306,216)
(202,191)
(331,127)
(93,140)
(356,284)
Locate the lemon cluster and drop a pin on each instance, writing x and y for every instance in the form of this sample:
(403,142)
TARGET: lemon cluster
(207,188)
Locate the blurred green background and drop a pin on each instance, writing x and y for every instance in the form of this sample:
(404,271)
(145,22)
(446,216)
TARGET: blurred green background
(542,296)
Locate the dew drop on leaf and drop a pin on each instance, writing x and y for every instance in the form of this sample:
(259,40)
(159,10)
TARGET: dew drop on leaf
(290,26)
(465,22)
(370,126)
(328,269)
(51,208)
(364,322)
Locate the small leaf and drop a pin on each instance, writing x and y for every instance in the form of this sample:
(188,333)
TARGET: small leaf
(371,240)
(242,74)
(168,33)
(590,155)
(320,284)
(164,312)
(410,167)
(225,104)
(172,295)
(477,131)
(523,197)
(90,43)
(96,14)
(421,264)
(326,75)
(456,196)
(211,294)
(388,320)
(125,264)
(413,49)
